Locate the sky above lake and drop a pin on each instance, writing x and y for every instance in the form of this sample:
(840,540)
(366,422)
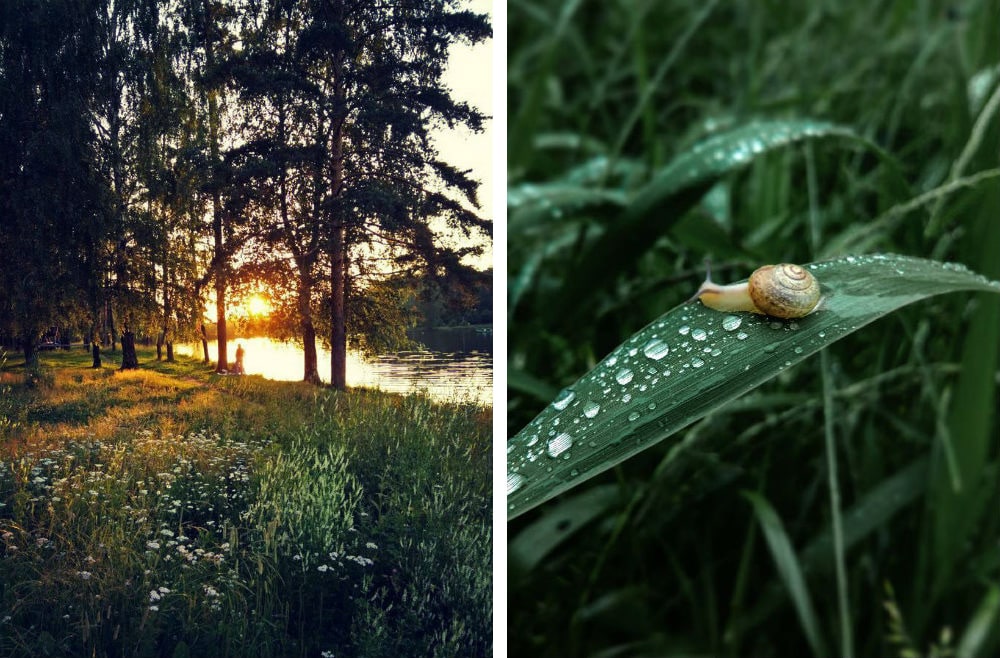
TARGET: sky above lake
(470,77)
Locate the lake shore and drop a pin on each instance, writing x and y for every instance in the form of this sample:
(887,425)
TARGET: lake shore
(445,372)
(171,511)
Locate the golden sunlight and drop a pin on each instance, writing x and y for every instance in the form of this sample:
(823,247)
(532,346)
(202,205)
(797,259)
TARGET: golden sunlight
(258,306)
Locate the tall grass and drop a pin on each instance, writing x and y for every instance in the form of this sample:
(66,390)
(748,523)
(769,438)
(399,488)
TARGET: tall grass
(671,558)
(170,512)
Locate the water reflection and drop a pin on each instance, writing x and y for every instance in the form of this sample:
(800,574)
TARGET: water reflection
(442,375)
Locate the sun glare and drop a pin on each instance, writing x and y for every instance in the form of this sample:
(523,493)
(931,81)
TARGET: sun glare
(258,305)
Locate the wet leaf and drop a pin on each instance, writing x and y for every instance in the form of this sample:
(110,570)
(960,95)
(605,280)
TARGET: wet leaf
(529,204)
(692,360)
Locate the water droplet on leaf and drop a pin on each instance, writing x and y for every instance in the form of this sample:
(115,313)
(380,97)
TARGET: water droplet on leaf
(559,444)
(563,399)
(656,349)
(623,376)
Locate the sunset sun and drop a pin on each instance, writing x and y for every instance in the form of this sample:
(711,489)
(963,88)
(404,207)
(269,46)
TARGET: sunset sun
(258,305)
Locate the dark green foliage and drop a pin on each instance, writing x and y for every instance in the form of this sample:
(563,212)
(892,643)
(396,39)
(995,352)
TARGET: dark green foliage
(336,115)
(602,100)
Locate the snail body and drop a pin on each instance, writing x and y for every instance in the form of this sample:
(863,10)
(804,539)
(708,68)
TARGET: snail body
(781,291)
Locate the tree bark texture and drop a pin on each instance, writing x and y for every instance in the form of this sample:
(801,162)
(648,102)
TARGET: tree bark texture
(130,360)
(311,360)
(338,328)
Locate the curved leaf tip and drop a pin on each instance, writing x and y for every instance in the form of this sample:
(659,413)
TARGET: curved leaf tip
(693,360)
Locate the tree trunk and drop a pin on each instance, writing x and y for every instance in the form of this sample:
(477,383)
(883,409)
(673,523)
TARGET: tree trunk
(218,220)
(129,358)
(112,332)
(170,351)
(204,341)
(159,344)
(338,332)
(95,349)
(222,365)
(338,252)
(311,360)
(30,353)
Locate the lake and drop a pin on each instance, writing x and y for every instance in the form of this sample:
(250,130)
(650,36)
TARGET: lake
(458,364)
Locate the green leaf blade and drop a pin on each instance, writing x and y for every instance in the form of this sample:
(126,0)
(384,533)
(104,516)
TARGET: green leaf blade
(692,360)
(787,564)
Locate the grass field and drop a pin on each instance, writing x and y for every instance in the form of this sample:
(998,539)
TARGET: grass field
(167,511)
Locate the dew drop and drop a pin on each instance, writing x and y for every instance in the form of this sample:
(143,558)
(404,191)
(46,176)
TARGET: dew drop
(563,399)
(533,440)
(699,334)
(633,416)
(684,331)
(731,322)
(612,360)
(697,363)
(590,409)
(798,350)
(627,398)
(559,444)
(514,482)
(656,349)
(741,336)
(623,376)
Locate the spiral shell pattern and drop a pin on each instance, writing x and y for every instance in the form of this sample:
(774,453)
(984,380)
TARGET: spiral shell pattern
(784,291)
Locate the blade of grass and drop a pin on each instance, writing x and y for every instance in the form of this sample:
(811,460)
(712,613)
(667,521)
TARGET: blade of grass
(789,570)
(983,625)
(539,539)
(846,641)
(876,509)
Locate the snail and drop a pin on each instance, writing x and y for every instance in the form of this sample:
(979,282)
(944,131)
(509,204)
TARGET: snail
(782,291)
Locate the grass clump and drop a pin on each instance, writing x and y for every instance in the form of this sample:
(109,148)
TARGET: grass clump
(171,512)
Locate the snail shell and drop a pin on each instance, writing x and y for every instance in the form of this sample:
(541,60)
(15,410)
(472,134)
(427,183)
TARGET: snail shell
(782,291)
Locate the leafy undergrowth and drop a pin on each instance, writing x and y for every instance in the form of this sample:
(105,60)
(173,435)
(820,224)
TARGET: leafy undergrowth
(167,511)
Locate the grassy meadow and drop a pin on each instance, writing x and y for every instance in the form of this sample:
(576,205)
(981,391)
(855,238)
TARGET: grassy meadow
(167,511)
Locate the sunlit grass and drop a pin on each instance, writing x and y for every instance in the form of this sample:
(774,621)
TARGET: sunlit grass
(168,510)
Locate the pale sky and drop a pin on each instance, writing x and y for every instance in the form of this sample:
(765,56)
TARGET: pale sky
(469,75)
